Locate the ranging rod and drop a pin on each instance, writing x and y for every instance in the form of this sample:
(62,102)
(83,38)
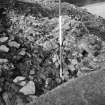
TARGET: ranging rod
(60,39)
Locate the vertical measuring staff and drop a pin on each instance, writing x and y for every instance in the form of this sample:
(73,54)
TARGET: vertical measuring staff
(60,39)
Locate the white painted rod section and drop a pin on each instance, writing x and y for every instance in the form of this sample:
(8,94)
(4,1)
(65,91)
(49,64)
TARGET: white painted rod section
(60,42)
(60,39)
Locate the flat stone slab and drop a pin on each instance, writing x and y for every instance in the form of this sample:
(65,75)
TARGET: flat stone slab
(86,90)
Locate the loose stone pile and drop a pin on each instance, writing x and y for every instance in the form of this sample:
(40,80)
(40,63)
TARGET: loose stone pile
(30,52)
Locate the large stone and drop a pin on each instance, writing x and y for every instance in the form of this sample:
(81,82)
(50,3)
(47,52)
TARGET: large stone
(22,52)
(4,48)
(28,89)
(3,60)
(86,90)
(3,39)
(14,44)
(18,79)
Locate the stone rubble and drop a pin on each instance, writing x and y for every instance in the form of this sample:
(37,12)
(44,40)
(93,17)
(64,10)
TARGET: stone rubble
(23,53)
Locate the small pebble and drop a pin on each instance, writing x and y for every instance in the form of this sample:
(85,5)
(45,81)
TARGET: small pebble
(4,48)
(66,75)
(31,77)
(22,52)
(58,80)
(74,62)
(32,72)
(48,83)
(32,98)
(71,67)
(55,58)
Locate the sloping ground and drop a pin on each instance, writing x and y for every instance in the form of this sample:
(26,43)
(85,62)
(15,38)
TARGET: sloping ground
(97,9)
(82,2)
(86,90)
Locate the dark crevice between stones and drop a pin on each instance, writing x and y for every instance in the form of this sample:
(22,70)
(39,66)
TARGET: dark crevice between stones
(84,53)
